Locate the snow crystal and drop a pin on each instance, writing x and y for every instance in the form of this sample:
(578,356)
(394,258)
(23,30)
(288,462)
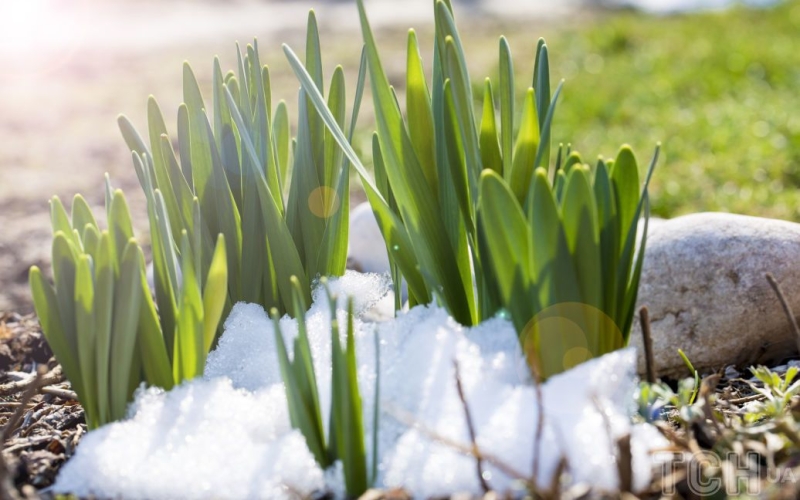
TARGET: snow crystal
(228,435)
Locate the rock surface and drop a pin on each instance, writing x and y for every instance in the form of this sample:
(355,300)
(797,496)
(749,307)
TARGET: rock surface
(366,252)
(704,283)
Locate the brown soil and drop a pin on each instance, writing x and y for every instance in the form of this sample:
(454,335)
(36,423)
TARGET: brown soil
(41,427)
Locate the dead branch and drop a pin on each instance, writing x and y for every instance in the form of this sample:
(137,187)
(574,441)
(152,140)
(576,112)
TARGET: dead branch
(59,392)
(537,439)
(786,307)
(409,420)
(647,341)
(471,428)
(625,464)
(7,489)
(55,376)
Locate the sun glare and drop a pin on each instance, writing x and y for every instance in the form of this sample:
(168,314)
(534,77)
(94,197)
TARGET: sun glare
(36,35)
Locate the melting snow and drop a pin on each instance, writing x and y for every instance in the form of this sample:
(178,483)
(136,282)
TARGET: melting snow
(228,435)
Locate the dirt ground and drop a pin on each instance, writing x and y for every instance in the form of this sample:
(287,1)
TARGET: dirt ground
(69,73)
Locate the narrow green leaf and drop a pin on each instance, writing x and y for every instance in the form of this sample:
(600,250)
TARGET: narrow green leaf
(459,226)
(103,322)
(543,149)
(243,86)
(47,310)
(541,85)
(162,243)
(60,221)
(625,179)
(91,240)
(508,237)
(120,225)
(625,306)
(225,136)
(183,191)
(552,266)
(632,289)
(262,126)
(189,357)
(303,362)
(312,197)
(625,261)
(319,104)
(398,244)
(314,65)
(523,165)
(132,138)
(254,247)
(84,322)
(332,254)
(266,83)
(418,112)
(227,217)
(81,214)
(282,138)
(301,407)
(490,147)
(581,229)
(163,179)
(354,456)
(573,159)
(199,147)
(185,144)
(463,107)
(376,410)
(214,293)
(64,262)
(127,300)
(609,238)
(152,347)
(332,164)
(506,105)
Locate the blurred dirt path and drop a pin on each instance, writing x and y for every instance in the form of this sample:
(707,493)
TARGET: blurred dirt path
(69,68)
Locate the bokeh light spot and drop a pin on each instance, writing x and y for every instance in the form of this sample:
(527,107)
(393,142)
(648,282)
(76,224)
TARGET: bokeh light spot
(576,356)
(323,202)
(565,335)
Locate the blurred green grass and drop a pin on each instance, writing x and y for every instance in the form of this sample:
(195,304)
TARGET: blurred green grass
(720,90)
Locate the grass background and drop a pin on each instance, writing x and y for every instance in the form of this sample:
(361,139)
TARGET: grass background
(720,90)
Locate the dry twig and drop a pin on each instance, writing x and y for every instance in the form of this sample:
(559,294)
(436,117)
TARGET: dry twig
(537,439)
(7,489)
(471,427)
(647,341)
(625,464)
(408,419)
(55,376)
(60,393)
(786,308)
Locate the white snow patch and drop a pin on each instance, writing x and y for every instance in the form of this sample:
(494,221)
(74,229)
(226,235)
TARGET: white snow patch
(678,6)
(228,435)
(203,439)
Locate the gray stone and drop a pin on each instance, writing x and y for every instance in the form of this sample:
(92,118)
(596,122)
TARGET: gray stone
(366,250)
(704,284)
